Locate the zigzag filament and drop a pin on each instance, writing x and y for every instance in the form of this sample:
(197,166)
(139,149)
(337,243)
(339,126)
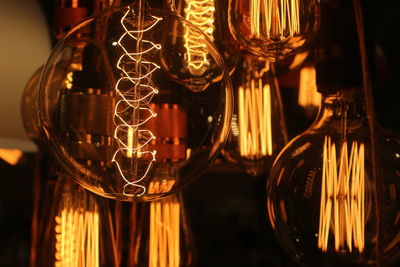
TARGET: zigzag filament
(133,101)
(342,197)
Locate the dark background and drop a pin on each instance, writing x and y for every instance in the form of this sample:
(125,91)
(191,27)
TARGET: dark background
(229,218)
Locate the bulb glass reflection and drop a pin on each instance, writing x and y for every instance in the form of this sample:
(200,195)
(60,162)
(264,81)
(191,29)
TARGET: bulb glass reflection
(321,191)
(117,121)
(273,28)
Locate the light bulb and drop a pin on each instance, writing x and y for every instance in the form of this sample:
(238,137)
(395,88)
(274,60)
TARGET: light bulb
(195,69)
(273,28)
(165,238)
(78,229)
(331,199)
(119,124)
(258,127)
(321,195)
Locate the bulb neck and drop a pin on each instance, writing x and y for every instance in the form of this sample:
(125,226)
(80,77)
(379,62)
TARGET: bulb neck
(342,111)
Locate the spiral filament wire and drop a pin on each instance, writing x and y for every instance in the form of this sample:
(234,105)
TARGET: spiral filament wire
(255,129)
(164,245)
(201,14)
(274,19)
(77,231)
(134,90)
(342,197)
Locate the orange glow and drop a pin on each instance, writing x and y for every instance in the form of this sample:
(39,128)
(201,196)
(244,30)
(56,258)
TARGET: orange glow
(134,99)
(308,95)
(164,245)
(255,126)
(274,19)
(342,197)
(77,232)
(201,14)
(11,156)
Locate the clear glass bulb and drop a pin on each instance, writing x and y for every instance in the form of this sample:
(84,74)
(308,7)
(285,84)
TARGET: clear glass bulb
(210,17)
(165,237)
(78,229)
(116,121)
(273,28)
(321,194)
(258,127)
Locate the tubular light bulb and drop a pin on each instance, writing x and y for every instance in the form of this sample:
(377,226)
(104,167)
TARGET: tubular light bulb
(273,28)
(321,193)
(258,129)
(165,239)
(77,230)
(120,124)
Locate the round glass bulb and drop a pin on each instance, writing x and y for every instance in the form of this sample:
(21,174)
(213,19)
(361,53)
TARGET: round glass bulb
(321,193)
(116,121)
(273,28)
(258,127)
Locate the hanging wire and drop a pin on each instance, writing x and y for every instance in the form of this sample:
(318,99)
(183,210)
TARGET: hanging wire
(367,85)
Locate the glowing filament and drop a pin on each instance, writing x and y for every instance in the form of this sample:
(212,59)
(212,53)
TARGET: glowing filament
(164,248)
(275,19)
(201,14)
(77,232)
(342,197)
(255,138)
(134,91)
(308,95)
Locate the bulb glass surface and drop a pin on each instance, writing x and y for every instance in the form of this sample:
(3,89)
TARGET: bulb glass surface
(210,17)
(116,121)
(321,195)
(273,28)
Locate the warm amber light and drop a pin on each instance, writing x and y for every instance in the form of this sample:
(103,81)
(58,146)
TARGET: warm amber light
(281,19)
(77,233)
(11,156)
(342,209)
(135,99)
(201,14)
(308,95)
(164,250)
(255,131)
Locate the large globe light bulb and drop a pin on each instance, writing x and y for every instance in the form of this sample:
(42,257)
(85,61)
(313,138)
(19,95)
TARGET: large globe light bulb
(116,120)
(332,194)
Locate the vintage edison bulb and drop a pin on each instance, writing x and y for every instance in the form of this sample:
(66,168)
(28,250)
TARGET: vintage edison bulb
(79,229)
(210,17)
(321,194)
(324,196)
(119,124)
(258,127)
(164,238)
(273,28)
